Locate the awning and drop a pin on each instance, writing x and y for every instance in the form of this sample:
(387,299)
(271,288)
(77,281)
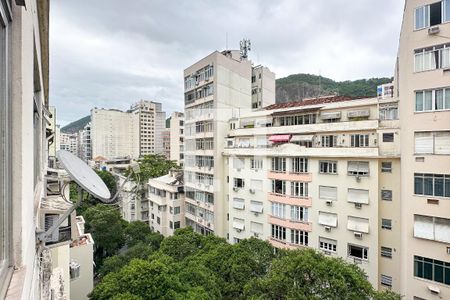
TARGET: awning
(263,122)
(282,138)
(358,224)
(238,224)
(330,115)
(358,196)
(256,207)
(327,219)
(302,138)
(358,113)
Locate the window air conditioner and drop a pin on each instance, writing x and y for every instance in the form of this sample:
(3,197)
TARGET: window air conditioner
(256,214)
(238,230)
(434,289)
(433,30)
(252,191)
(235,189)
(358,178)
(358,205)
(358,235)
(329,202)
(255,234)
(327,228)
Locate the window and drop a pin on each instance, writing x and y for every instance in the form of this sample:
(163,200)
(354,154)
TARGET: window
(433,100)
(256,164)
(256,206)
(446,10)
(358,252)
(328,167)
(278,232)
(238,224)
(386,224)
(386,167)
(386,195)
(358,196)
(359,140)
(432,228)
(256,184)
(388,137)
(431,58)
(327,219)
(238,203)
(176,225)
(256,227)
(278,210)
(236,240)
(278,164)
(358,168)
(299,165)
(327,244)
(389,112)
(357,224)
(421,17)
(299,213)
(386,280)
(299,189)
(437,142)
(170,224)
(386,252)
(238,163)
(329,140)
(299,237)
(177,210)
(279,187)
(432,185)
(328,192)
(158,220)
(239,183)
(432,269)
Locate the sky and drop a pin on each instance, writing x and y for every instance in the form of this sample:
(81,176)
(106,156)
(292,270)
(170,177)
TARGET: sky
(112,53)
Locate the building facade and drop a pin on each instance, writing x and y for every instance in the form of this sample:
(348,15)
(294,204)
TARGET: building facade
(166,143)
(69,142)
(321,173)
(85,143)
(214,87)
(177,137)
(422,84)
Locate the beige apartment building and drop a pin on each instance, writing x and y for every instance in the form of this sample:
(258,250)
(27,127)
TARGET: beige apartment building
(177,137)
(322,173)
(215,87)
(69,142)
(163,205)
(422,84)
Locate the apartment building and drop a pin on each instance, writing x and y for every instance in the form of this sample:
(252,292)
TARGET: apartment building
(32,195)
(85,143)
(166,142)
(422,84)
(151,124)
(321,173)
(263,87)
(214,86)
(176,126)
(69,142)
(114,133)
(163,206)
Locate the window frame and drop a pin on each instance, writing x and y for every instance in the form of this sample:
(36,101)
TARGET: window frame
(6,205)
(330,165)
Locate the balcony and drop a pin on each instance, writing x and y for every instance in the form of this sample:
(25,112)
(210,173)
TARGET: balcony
(289,200)
(303,226)
(305,177)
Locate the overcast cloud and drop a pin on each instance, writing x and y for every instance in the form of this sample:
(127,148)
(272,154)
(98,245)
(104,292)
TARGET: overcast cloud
(109,54)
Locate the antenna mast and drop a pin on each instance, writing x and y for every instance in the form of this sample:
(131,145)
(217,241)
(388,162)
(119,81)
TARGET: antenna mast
(245,48)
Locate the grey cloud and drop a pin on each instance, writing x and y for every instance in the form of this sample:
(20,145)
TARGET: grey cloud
(111,53)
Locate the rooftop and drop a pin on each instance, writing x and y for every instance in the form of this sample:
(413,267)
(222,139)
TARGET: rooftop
(313,101)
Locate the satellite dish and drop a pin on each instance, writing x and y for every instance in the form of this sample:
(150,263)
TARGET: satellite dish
(82,174)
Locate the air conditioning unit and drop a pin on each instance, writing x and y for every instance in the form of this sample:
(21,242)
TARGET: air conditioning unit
(256,234)
(238,230)
(433,30)
(358,178)
(235,189)
(209,225)
(252,191)
(329,202)
(238,170)
(358,205)
(448,250)
(256,214)
(327,228)
(358,235)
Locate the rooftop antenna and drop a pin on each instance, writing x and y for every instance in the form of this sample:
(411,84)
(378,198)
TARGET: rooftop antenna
(226,40)
(88,181)
(245,47)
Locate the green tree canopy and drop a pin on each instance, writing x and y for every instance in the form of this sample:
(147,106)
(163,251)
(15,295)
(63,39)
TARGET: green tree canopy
(152,166)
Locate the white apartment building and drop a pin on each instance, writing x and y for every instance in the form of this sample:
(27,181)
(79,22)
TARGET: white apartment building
(166,142)
(263,87)
(322,173)
(69,142)
(422,84)
(114,133)
(177,137)
(163,206)
(151,120)
(85,143)
(215,87)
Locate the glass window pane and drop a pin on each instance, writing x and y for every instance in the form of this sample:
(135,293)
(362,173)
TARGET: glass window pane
(439,101)
(447,275)
(428,185)
(419,18)
(419,101)
(438,185)
(428,103)
(447,98)
(418,185)
(418,268)
(428,270)
(438,273)
(447,186)
(418,62)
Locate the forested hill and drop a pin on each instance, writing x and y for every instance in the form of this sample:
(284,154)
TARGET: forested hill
(77,125)
(299,86)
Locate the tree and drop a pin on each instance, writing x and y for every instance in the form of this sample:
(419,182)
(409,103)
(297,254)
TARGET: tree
(136,232)
(152,166)
(105,224)
(308,274)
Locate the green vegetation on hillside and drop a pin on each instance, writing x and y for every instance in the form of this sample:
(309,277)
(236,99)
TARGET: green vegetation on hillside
(77,125)
(299,86)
